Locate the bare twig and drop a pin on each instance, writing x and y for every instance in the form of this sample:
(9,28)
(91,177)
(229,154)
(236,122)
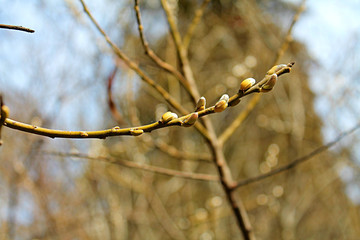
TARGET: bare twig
(19,28)
(154,169)
(114,112)
(288,38)
(236,124)
(184,61)
(198,14)
(162,64)
(132,65)
(297,161)
(175,153)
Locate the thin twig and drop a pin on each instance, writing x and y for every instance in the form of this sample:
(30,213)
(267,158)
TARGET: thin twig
(132,65)
(114,112)
(297,161)
(182,52)
(175,153)
(288,38)
(154,169)
(198,15)
(19,28)
(162,64)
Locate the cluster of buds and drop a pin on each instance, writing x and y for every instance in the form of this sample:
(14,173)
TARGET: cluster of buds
(222,104)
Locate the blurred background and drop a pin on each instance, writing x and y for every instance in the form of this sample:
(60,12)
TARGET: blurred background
(57,78)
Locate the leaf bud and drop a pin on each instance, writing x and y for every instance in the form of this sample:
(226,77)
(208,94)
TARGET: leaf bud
(136,132)
(222,104)
(189,121)
(200,104)
(168,116)
(275,68)
(268,86)
(246,84)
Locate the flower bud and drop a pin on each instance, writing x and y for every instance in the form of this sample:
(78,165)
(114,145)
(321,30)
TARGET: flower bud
(268,86)
(200,104)
(222,104)
(275,68)
(168,116)
(84,134)
(246,84)
(136,132)
(115,129)
(189,121)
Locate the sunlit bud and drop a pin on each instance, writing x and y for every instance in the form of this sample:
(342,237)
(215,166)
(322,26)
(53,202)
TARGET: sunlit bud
(200,104)
(115,129)
(246,84)
(168,116)
(136,132)
(188,122)
(225,97)
(275,68)
(84,134)
(222,104)
(269,84)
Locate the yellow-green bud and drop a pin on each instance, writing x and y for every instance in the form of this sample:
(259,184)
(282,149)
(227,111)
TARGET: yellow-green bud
(200,104)
(168,116)
(189,121)
(246,84)
(222,104)
(268,86)
(136,132)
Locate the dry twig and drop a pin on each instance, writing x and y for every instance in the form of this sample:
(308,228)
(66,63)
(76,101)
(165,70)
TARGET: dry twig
(145,167)
(296,162)
(19,28)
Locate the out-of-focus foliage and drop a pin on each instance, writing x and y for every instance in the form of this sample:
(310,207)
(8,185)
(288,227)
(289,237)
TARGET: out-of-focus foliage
(45,196)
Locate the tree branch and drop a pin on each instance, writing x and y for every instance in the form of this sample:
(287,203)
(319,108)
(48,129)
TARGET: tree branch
(298,161)
(136,131)
(19,28)
(145,167)
(162,64)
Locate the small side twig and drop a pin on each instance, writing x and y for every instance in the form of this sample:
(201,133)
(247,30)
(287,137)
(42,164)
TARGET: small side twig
(114,112)
(145,167)
(298,161)
(287,38)
(198,15)
(18,28)
(162,64)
